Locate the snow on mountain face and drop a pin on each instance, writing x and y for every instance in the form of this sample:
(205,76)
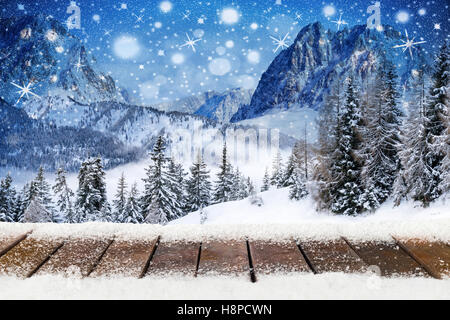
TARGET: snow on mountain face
(222,107)
(39,50)
(216,106)
(301,75)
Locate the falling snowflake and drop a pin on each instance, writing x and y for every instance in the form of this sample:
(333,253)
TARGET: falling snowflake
(408,44)
(281,43)
(191,42)
(24,90)
(78,65)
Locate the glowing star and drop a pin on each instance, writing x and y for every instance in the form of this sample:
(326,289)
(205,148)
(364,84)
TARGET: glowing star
(161,53)
(339,22)
(408,44)
(141,67)
(107,33)
(190,43)
(139,18)
(25,90)
(281,43)
(186,15)
(298,16)
(437,26)
(78,65)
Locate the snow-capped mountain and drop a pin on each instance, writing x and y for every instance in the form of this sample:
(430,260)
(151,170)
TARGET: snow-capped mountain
(221,107)
(39,51)
(301,75)
(213,105)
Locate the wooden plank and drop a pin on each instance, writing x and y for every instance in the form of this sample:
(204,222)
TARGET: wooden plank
(7,243)
(271,257)
(175,258)
(125,258)
(27,256)
(389,257)
(220,257)
(332,256)
(76,258)
(432,256)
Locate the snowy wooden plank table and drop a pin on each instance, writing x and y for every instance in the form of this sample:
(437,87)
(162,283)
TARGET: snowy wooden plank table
(126,258)
(174,258)
(332,256)
(9,241)
(269,257)
(77,257)
(224,257)
(433,256)
(389,257)
(24,259)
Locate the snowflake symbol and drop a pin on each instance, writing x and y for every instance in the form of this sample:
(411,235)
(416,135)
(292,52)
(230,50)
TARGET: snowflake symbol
(139,18)
(190,42)
(24,90)
(281,43)
(186,15)
(408,44)
(298,16)
(78,65)
(340,22)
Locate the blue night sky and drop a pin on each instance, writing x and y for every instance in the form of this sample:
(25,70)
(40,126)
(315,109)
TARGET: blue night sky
(140,42)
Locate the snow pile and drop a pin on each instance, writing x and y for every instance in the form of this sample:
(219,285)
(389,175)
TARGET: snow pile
(293,286)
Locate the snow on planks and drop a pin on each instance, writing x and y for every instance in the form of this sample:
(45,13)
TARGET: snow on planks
(7,243)
(433,256)
(77,257)
(126,258)
(174,258)
(332,256)
(25,258)
(389,257)
(270,257)
(224,257)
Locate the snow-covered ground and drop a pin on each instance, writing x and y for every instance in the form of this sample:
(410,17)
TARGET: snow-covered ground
(293,286)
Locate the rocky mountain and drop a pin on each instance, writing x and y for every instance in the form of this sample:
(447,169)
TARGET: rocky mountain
(213,105)
(40,52)
(301,75)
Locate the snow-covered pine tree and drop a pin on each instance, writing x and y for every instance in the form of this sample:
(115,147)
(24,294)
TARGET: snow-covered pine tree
(346,190)
(298,189)
(19,206)
(159,203)
(437,127)
(198,186)
(64,197)
(266,181)
(42,195)
(120,200)
(328,121)
(414,175)
(239,188)
(298,161)
(132,212)
(7,200)
(91,200)
(381,141)
(277,178)
(36,213)
(176,175)
(224,183)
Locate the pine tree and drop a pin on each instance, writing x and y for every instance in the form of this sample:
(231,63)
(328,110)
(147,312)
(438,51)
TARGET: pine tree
(224,183)
(277,178)
(19,206)
(7,200)
(176,175)
(298,189)
(159,203)
(41,194)
(91,202)
(121,199)
(436,127)
(198,186)
(346,168)
(382,139)
(328,124)
(64,197)
(132,212)
(266,181)
(36,213)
